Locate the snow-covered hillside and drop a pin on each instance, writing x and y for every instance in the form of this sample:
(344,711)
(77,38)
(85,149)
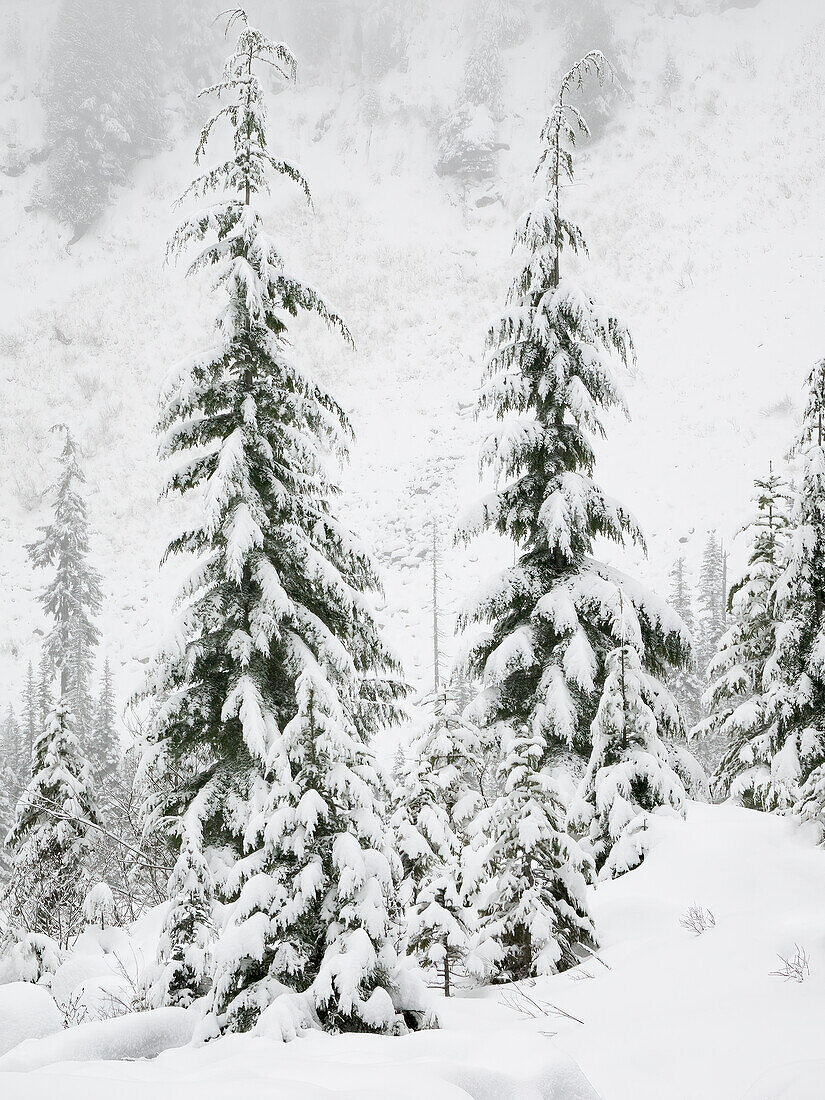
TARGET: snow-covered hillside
(661,1011)
(685,203)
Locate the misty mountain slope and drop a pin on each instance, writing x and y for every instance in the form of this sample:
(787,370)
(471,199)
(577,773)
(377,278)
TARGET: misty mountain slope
(685,201)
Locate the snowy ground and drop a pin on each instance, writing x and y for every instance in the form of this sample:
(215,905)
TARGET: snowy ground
(670,1014)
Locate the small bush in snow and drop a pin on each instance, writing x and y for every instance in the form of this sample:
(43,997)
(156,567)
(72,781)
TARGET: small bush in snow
(795,968)
(698,920)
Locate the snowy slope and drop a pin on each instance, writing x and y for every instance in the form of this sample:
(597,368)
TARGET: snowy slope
(703,1014)
(664,1013)
(702,206)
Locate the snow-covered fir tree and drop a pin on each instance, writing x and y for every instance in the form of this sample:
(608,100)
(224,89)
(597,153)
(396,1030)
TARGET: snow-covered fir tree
(102,104)
(73,597)
(12,747)
(380,33)
(736,698)
(468,138)
(277,676)
(630,774)
(712,601)
(685,681)
(539,633)
(45,678)
(794,741)
(526,876)
(49,839)
(32,720)
(482,76)
(104,743)
(14,774)
(504,21)
(186,941)
(99,907)
(435,800)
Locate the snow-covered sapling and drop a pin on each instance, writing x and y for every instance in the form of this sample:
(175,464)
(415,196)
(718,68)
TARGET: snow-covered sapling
(527,876)
(434,802)
(629,775)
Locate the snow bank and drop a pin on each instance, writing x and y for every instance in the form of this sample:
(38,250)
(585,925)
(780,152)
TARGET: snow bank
(801,1081)
(26,1012)
(143,1035)
(510,1064)
(684,1015)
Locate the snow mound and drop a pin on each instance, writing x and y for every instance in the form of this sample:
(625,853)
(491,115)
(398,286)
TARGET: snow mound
(26,1012)
(143,1035)
(438,1065)
(712,1011)
(800,1081)
(75,972)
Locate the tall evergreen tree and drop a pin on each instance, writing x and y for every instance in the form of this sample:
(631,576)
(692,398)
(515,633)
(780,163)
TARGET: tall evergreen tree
(49,838)
(104,745)
(102,104)
(552,617)
(32,719)
(14,774)
(685,681)
(736,696)
(73,597)
(278,677)
(712,600)
(794,741)
(45,678)
(12,748)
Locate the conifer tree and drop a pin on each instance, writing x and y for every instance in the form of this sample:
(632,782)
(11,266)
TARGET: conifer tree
(482,76)
(794,741)
(49,838)
(73,597)
(14,775)
(736,697)
(434,802)
(102,104)
(44,692)
(12,751)
(712,601)
(527,876)
(99,907)
(551,619)
(185,945)
(104,747)
(630,774)
(31,721)
(277,676)
(504,20)
(684,681)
